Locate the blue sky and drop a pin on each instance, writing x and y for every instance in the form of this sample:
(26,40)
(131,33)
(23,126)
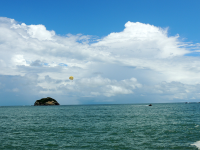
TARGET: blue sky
(118,51)
(101,17)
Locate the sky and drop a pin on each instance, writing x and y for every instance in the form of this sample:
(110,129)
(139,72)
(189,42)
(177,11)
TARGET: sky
(119,52)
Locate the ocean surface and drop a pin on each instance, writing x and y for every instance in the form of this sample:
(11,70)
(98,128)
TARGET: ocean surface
(91,127)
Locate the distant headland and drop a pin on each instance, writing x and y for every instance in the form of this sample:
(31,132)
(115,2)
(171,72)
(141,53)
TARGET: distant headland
(46,101)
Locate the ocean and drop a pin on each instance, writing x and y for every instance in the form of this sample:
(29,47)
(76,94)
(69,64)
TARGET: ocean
(107,127)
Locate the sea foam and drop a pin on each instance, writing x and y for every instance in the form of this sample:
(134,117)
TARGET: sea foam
(197,144)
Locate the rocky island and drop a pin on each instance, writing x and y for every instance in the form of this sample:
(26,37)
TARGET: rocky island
(46,101)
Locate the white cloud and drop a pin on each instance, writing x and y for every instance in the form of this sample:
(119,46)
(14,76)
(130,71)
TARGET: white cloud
(90,87)
(104,86)
(34,31)
(140,60)
(19,60)
(140,40)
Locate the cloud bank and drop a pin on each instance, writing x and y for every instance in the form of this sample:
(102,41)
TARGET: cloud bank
(139,64)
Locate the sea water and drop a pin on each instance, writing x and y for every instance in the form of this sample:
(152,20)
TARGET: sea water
(134,127)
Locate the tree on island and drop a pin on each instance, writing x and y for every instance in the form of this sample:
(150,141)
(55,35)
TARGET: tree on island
(46,101)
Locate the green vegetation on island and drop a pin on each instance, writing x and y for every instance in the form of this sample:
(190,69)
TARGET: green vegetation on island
(46,101)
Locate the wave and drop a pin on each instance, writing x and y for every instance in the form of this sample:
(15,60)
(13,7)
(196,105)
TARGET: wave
(197,144)
(139,105)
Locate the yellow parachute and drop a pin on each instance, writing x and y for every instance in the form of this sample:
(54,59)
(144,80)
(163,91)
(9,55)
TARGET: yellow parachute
(71,77)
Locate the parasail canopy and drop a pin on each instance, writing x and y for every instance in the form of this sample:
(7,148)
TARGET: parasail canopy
(71,77)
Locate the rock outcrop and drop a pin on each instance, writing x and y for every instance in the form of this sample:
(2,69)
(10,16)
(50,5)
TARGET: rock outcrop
(46,101)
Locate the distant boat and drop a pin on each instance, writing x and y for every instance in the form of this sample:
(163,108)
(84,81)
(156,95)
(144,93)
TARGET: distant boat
(150,105)
(186,102)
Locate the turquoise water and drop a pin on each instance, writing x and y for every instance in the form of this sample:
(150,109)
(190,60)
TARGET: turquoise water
(139,127)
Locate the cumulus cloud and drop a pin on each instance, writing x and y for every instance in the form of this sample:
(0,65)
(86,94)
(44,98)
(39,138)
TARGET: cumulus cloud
(90,87)
(34,31)
(140,40)
(140,60)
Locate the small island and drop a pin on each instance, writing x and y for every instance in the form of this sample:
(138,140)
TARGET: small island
(46,101)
